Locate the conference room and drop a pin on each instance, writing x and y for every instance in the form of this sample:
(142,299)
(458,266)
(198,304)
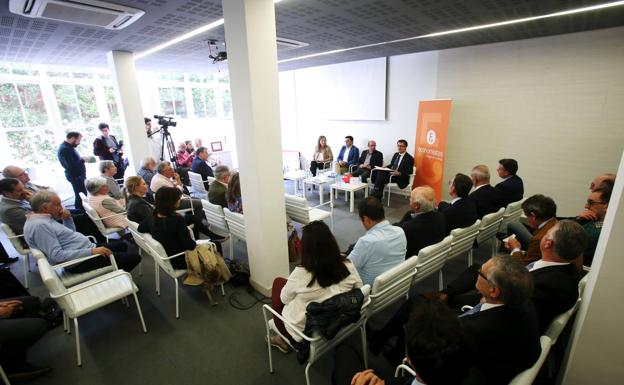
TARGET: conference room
(315,116)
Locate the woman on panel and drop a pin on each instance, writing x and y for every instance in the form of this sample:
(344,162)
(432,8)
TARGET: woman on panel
(137,207)
(234,198)
(322,155)
(168,227)
(323,273)
(106,207)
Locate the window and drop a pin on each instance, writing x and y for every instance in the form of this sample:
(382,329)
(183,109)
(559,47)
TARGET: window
(227,104)
(111,102)
(204,103)
(10,110)
(173,101)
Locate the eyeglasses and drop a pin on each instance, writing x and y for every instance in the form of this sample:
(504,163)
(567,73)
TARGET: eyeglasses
(482,275)
(590,203)
(23,173)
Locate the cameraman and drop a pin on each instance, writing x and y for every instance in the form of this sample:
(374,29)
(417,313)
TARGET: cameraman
(106,147)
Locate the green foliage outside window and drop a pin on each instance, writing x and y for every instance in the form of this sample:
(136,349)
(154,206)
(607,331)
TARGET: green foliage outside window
(87,104)
(32,101)
(109,92)
(166,103)
(67,104)
(179,100)
(10,111)
(227,104)
(32,146)
(204,102)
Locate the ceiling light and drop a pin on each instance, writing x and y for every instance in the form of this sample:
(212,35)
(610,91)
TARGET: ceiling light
(460,30)
(186,36)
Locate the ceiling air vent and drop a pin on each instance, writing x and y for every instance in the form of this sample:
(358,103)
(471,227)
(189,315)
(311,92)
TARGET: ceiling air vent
(89,12)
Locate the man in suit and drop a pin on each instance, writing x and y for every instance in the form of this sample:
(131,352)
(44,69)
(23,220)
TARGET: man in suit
(503,326)
(218,189)
(369,159)
(423,226)
(348,156)
(106,147)
(402,166)
(597,204)
(484,196)
(540,214)
(22,175)
(74,165)
(511,189)
(461,212)
(200,166)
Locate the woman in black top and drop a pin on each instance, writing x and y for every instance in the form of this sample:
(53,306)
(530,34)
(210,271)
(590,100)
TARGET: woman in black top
(168,227)
(137,208)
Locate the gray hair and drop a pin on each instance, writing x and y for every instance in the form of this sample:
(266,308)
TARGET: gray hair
(481,172)
(145,161)
(94,185)
(162,165)
(41,199)
(425,197)
(221,171)
(512,278)
(106,164)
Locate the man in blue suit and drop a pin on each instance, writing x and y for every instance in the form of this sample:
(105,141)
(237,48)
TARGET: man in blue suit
(200,166)
(349,155)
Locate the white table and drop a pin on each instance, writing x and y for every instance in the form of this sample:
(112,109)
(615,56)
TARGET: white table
(347,188)
(295,176)
(317,181)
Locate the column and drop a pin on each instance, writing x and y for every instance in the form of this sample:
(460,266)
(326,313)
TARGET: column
(252,63)
(123,72)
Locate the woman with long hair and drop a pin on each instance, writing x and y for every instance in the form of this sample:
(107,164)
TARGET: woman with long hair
(322,155)
(234,197)
(324,272)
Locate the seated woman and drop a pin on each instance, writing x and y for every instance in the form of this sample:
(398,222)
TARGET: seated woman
(108,171)
(234,197)
(168,227)
(322,154)
(104,205)
(323,273)
(137,207)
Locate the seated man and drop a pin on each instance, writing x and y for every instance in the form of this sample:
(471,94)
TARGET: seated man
(597,203)
(511,189)
(423,226)
(402,166)
(461,212)
(540,214)
(22,175)
(108,171)
(106,207)
(218,189)
(348,156)
(484,196)
(382,247)
(369,159)
(601,182)
(201,167)
(61,243)
(147,172)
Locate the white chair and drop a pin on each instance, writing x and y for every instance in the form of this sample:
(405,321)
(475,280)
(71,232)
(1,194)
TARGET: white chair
(87,296)
(298,210)
(559,322)
(236,225)
(404,367)
(318,344)
(431,259)
(490,224)
(463,239)
(216,220)
(392,184)
(3,376)
(105,231)
(197,184)
(528,376)
(512,213)
(24,251)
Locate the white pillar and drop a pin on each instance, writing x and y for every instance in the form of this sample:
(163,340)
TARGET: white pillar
(252,63)
(123,72)
(597,342)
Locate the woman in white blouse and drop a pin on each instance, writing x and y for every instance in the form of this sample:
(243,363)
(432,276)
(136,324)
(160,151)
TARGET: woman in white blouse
(323,273)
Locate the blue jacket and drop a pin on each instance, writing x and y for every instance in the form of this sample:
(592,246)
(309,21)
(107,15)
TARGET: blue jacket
(201,167)
(71,161)
(354,155)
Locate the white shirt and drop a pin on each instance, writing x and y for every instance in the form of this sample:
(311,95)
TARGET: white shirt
(160,180)
(455,200)
(345,156)
(400,160)
(486,306)
(479,186)
(541,264)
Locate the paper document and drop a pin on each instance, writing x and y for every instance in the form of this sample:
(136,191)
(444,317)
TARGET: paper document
(383,168)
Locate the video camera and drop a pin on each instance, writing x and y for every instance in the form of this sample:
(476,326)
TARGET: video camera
(165,121)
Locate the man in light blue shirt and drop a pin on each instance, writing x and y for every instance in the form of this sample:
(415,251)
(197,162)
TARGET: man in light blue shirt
(382,247)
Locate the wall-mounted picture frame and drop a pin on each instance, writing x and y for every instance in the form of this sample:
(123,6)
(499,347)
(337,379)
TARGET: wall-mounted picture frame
(216,146)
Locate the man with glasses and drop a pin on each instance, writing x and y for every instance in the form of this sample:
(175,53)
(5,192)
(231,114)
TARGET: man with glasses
(349,155)
(401,166)
(597,204)
(22,175)
(369,159)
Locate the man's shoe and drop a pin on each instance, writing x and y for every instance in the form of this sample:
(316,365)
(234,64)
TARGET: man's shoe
(28,372)
(8,260)
(279,343)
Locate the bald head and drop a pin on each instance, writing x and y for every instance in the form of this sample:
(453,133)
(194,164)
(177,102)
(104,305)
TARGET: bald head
(599,181)
(480,174)
(17,173)
(372,145)
(422,199)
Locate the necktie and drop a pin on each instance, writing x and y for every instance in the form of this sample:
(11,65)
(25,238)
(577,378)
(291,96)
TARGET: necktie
(396,162)
(474,310)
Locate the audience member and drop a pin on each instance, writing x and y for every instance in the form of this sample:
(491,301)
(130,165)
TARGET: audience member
(218,188)
(153,141)
(461,212)
(106,147)
(61,243)
(234,197)
(601,182)
(511,188)
(323,273)
(322,155)
(382,247)
(402,166)
(423,226)
(13,204)
(598,181)
(165,177)
(597,203)
(22,175)
(369,159)
(348,156)
(200,166)
(540,212)
(137,207)
(109,209)
(484,196)
(147,172)
(74,165)
(108,170)
(183,158)
(189,146)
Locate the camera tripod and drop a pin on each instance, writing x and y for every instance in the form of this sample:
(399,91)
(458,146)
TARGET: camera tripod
(167,143)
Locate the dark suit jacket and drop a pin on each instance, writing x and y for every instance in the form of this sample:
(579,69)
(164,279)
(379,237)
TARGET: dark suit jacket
(71,161)
(201,167)
(375,160)
(353,155)
(138,209)
(533,252)
(217,194)
(506,340)
(510,190)
(462,213)
(422,230)
(101,149)
(555,291)
(405,168)
(486,199)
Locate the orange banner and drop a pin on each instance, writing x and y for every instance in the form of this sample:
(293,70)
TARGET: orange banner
(432,127)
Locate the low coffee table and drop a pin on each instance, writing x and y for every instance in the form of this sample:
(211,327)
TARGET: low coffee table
(317,181)
(347,187)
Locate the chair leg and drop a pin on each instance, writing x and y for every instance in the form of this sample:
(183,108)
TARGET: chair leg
(78,356)
(222,290)
(440,280)
(177,300)
(28,262)
(136,300)
(389,188)
(232,247)
(4,376)
(26,269)
(470,257)
(307,373)
(157,277)
(364,347)
(494,245)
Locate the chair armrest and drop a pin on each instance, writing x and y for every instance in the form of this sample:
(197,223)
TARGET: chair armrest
(317,206)
(16,236)
(75,261)
(92,238)
(268,308)
(112,215)
(84,285)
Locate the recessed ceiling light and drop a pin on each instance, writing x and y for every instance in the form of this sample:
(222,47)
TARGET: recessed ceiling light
(460,30)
